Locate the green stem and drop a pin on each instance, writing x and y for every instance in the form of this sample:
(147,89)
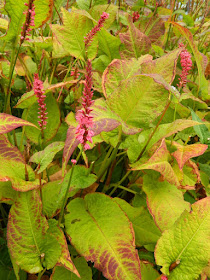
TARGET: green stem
(143,150)
(7,108)
(41,273)
(66,197)
(120,182)
(3,214)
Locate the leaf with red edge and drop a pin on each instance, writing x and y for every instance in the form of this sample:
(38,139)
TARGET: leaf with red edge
(136,43)
(203,84)
(159,162)
(13,167)
(184,153)
(9,122)
(106,236)
(165,202)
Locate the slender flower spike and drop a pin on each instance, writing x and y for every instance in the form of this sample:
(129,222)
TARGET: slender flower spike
(186,64)
(38,91)
(26,28)
(92,33)
(85,120)
(135,16)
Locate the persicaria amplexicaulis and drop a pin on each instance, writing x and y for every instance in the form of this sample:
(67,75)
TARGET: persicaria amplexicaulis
(30,14)
(186,64)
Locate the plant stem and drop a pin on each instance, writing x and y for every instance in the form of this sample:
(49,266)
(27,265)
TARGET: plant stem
(143,150)
(41,273)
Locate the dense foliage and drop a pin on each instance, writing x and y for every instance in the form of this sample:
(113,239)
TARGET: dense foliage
(104,140)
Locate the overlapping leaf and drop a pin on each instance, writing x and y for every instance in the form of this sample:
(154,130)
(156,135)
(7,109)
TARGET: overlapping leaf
(9,122)
(45,157)
(159,162)
(105,236)
(165,202)
(136,43)
(187,243)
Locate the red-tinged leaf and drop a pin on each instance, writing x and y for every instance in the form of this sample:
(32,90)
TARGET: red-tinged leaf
(203,84)
(184,153)
(106,236)
(159,162)
(13,167)
(120,70)
(165,202)
(9,122)
(7,194)
(164,66)
(64,259)
(136,43)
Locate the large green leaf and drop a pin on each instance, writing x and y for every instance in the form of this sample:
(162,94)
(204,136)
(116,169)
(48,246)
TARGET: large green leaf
(106,236)
(13,167)
(15,9)
(53,121)
(87,4)
(201,130)
(69,38)
(61,273)
(136,43)
(28,241)
(7,193)
(146,232)
(165,202)
(139,100)
(9,122)
(148,272)
(45,157)
(186,243)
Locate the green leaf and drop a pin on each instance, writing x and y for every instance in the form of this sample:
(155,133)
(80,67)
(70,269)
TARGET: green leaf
(27,237)
(120,70)
(53,192)
(45,157)
(136,43)
(9,122)
(165,202)
(53,121)
(13,167)
(186,243)
(87,4)
(146,232)
(106,236)
(201,130)
(71,35)
(148,272)
(159,161)
(139,100)
(15,9)
(61,273)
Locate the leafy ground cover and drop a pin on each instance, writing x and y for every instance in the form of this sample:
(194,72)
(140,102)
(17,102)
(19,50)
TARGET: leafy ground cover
(104,140)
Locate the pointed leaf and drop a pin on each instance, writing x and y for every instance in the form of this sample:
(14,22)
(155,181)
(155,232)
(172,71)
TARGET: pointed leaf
(186,243)
(60,273)
(148,272)
(136,42)
(159,162)
(45,157)
(165,202)
(184,153)
(101,220)
(201,130)
(26,230)
(146,232)
(9,122)
(7,193)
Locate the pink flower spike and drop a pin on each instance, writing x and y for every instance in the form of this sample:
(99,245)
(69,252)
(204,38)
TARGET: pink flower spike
(186,64)
(164,277)
(74,161)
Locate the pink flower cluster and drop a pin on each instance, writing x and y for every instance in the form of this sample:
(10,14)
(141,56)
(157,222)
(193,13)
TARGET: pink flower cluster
(38,91)
(135,16)
(83,130)
(30,14)
(92,33)
(163,277)
(186,64)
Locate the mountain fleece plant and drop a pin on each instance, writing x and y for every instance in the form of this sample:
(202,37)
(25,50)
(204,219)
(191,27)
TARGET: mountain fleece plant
(104,140)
